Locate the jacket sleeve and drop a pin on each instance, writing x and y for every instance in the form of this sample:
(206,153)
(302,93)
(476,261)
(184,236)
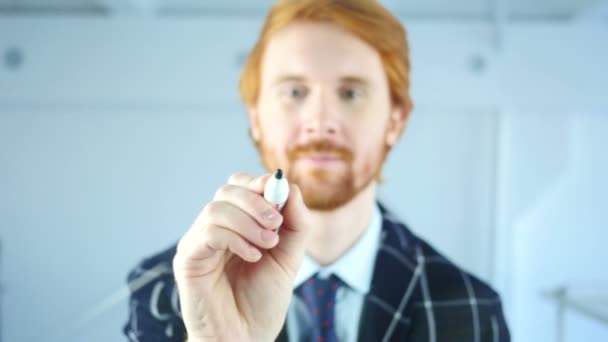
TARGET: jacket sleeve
(154,314)
(496,329)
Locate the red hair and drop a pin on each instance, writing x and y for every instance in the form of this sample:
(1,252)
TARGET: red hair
(367,19)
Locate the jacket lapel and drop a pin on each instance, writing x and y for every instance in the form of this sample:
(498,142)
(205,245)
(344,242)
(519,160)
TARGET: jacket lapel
(394,284)
(283,334)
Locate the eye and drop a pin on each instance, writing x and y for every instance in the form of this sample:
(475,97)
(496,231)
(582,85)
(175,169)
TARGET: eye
(350,94)
(294,92)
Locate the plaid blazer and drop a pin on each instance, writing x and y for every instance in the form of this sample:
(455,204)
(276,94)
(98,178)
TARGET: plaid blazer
(416,295)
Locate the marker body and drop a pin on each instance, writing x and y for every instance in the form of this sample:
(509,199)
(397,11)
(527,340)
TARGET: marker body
(276,190)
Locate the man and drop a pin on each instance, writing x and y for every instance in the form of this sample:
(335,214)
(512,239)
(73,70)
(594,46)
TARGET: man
(327,91)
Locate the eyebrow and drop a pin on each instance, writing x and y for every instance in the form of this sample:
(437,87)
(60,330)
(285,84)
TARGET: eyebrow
(288,78)
(344,79)
(355,80)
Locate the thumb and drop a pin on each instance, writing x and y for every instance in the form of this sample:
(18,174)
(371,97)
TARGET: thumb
(295,212)
(294,231)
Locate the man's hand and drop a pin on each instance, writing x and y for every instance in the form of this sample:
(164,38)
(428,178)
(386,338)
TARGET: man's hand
(234,273)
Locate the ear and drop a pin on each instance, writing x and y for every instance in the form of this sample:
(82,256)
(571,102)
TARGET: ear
(397,123)
(254,129)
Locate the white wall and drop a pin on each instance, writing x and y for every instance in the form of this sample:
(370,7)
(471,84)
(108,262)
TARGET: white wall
(87,194)
(561,230)
(114,133)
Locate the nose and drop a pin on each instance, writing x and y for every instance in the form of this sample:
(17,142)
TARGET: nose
(320,120)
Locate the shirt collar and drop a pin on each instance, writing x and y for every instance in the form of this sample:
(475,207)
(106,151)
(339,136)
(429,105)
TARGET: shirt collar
(356,266)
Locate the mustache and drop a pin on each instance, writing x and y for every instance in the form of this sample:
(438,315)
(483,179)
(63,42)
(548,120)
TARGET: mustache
(320,147)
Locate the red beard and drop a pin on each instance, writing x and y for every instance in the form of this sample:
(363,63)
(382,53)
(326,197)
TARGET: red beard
(323,189)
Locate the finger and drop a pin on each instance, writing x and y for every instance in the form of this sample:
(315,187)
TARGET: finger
(224,239)
(200,252)
(255,184)
(253,204)
(227,215)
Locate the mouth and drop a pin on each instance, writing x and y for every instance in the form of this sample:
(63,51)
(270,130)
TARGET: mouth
(320,160)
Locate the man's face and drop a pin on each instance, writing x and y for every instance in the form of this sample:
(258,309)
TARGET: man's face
(324,113)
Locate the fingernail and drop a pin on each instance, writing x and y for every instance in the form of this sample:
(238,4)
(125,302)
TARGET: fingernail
(268,215)
(255,253)
(268,235)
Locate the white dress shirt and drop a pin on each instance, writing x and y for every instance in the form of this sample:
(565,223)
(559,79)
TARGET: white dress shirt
(355,268)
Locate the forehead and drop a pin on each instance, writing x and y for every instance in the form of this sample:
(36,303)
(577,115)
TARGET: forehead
(320,51)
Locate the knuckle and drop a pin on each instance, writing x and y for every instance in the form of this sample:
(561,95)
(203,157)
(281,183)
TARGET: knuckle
(176,262)
(212,209)
(210,239)
(224,191)
(278,222)
(216,239)
(237,177)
